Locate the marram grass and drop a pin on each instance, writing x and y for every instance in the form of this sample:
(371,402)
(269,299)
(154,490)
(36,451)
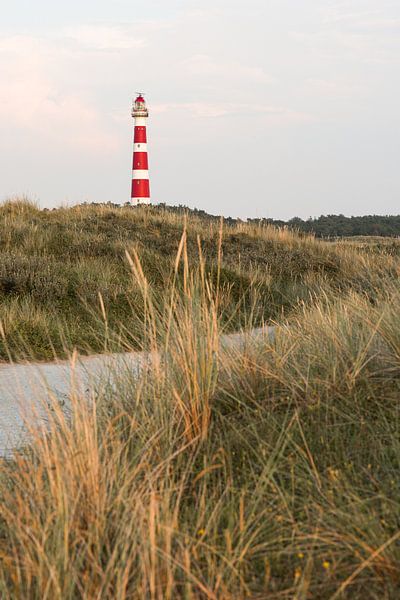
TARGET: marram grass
(55,265)
(268,470)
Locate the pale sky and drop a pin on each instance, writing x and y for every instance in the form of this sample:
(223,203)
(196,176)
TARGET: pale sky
(267,108)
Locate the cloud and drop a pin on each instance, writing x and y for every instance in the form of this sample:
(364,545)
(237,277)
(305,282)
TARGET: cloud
(335,88)
(379,24)
(341,14)
(367,20)
(227,109)
(31,100)
(365,47)
(343,32)
(205,65)
(113,37)
(104,37)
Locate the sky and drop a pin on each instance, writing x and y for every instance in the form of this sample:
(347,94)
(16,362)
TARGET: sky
(263,108)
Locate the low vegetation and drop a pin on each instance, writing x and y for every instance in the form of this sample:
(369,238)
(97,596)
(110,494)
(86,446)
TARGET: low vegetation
(265,470)
(332,226)
(64,277)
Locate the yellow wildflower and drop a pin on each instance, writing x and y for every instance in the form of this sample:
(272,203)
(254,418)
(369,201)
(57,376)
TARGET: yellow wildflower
(333,474)
(326,564)
(201,532)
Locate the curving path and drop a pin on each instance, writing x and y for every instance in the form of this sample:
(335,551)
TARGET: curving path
(25,389)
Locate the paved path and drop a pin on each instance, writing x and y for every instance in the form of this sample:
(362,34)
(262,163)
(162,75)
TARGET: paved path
(25,389)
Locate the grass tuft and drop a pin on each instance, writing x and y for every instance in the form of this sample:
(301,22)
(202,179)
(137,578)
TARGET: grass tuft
(59,262)
(265,469)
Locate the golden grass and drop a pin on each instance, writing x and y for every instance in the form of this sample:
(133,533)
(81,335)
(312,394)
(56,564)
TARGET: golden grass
(266,470)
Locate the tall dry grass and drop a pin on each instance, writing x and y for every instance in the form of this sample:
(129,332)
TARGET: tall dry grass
(263,470)
(59,261)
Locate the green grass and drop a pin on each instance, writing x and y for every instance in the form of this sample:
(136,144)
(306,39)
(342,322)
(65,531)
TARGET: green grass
(268,471)
(58,267)
(264,471)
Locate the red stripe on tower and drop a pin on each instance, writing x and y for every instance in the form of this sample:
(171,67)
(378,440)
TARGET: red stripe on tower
(140,134)
(140,189)
(140,160)
(140,175)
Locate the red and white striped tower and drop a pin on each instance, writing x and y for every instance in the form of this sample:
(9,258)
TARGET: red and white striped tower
(140,175)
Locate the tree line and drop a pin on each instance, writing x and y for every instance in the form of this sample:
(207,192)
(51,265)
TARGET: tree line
(323,226)
(341,226)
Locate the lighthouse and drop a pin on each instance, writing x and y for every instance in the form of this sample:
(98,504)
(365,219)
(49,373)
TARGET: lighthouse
(140,174)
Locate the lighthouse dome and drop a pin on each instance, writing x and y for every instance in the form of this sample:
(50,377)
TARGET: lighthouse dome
(139,108)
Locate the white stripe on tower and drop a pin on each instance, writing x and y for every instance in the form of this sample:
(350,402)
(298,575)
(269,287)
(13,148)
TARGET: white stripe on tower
(140,147)
(140,174)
